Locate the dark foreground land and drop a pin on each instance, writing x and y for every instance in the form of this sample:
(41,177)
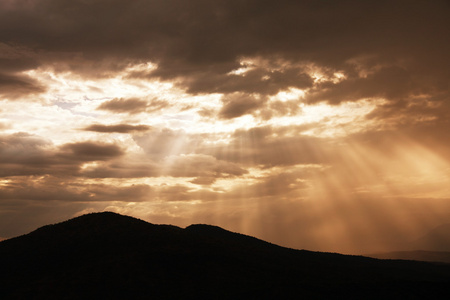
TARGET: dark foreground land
(110,256)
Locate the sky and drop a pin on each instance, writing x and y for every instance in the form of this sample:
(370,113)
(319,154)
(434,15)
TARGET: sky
(320,125)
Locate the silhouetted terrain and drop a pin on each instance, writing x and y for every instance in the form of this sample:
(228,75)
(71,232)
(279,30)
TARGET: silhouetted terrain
(110,256)
(422,255)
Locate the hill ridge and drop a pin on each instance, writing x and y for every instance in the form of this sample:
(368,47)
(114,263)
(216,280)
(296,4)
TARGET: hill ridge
(115,256)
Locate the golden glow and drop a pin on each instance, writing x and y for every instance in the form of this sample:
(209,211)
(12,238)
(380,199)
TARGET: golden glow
(246,65)
(290,94)
(342,191)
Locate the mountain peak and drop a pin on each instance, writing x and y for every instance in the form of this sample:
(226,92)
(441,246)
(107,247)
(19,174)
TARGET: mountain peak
(107,255)
(94,221)
(104,216)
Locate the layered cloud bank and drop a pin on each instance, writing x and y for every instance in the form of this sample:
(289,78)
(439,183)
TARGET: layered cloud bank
(313,124)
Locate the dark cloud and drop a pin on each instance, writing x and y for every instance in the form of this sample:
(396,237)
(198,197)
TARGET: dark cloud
(279,108)
(199,42)
(123,169)
(42,189)
(376,85)
(26,154)
(90,151)
(236,105)
(14,86)
(15,58)
(24,148)
(257,80)
(133,105)
(119,128)
(49,188)
(203,180)
(131,193)
(426,112)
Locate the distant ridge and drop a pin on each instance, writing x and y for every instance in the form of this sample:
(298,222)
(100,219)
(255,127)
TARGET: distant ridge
(437,239)
(111,256)
(434,246)
(421,255)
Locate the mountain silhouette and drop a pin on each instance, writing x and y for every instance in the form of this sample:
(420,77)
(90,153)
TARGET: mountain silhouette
(421,255)
(110,256)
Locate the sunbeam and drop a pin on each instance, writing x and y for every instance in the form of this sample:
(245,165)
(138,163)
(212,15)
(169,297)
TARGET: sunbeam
(318,126)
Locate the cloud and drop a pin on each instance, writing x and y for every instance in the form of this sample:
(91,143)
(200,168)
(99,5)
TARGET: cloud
(190,165)
(44,189)
(389,49)
(90,151)
(133,105)
(131,193)
(203,180)
(279,108)
(14,86)
(49,188)
(174,193)
(119,128)
(4,125)
(262,80)
(14,58)
(264,145)
(129,168)
(26,154)
(13,83)
(160,143)
(199,165)
(291,183)
(236,105)
(201,42)
(376,85)
(24,148)
(270,146)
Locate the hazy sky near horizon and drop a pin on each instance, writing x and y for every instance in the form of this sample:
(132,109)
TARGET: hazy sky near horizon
(322,125)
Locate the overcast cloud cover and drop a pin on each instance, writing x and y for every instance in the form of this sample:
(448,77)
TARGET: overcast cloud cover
(313,124)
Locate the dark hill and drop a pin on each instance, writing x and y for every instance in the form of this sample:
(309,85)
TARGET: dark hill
(422,255)
(109,256)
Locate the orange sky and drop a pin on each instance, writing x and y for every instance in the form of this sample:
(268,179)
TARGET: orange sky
(321,125)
